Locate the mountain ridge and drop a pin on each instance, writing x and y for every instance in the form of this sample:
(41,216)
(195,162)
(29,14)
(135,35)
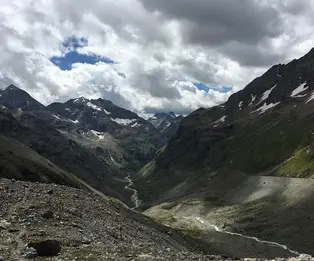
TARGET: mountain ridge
(225,159)
(94,139)
(19,99)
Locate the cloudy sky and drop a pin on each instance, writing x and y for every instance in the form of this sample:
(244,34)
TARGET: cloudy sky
(148,55)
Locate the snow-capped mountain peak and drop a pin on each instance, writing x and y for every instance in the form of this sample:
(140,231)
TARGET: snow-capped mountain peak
(167,123)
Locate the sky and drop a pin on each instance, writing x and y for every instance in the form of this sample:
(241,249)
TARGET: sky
(148,55)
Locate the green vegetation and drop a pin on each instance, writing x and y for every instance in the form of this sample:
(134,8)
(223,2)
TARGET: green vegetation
(161,150)
(166,217)
(194,233)
(162,216)
(262,145)
(300,165)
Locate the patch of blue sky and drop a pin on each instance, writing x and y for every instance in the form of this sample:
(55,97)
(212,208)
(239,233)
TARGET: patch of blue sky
(206,88)
(71,55)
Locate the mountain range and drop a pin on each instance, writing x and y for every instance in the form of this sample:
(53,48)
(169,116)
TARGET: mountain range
(93,140)
(246,165)
(234,180)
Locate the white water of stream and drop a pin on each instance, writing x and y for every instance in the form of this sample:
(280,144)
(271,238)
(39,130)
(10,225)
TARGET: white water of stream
(203,222)
(134,198)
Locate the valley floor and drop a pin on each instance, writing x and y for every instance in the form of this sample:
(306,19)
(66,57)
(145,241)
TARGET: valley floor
(273,209)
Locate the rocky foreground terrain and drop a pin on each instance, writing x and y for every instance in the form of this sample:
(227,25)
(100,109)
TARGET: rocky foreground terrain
(52,222)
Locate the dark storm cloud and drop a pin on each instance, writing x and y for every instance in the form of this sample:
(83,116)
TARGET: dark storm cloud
(212,22)
(217,24)
(295,7)
(259,55)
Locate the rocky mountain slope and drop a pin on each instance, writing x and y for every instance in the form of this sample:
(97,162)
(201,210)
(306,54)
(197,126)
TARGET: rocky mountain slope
(22,163)
(14,96)
(94,140)
(44,143)
(247,164)
(124,138)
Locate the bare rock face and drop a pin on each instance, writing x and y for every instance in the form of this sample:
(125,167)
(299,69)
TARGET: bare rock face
(18,98)
(47,247)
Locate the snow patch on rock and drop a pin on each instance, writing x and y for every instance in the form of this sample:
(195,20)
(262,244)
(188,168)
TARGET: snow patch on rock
(167,125)
(135,125)
(93,106)
(311,98)
(107,112)
(240,105)
(299,89)
(76,121)
(253,98)
(81,99)
(222,119)
(123,122)
(56,116)
(267,93)
(266,107)
(100,135)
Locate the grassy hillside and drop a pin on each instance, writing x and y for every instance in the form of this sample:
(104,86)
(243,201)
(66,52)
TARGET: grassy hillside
(263,144)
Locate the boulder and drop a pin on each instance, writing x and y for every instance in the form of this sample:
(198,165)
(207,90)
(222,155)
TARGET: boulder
(48,214)
(47,247)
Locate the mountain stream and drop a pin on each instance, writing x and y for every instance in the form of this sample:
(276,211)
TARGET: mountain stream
(134,198)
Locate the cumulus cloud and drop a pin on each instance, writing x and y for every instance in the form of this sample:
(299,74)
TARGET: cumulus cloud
(159,48)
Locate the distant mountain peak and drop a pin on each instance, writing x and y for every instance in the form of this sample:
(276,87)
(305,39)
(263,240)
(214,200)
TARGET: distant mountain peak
(166,122)
(102,100)
(80,100)
(172,114)
(18,98)
(12,87)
